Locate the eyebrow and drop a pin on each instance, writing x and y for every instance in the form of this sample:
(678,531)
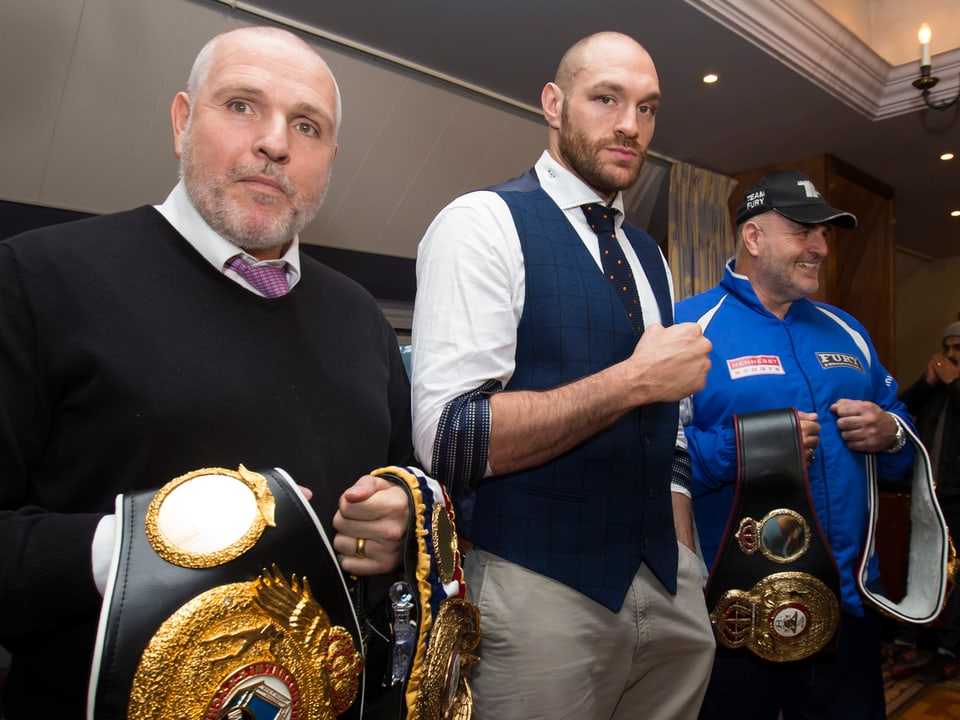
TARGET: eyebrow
(301,108)
(616,87)
(247,90)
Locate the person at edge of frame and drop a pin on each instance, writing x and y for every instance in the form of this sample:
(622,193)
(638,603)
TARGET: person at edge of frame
(137,346)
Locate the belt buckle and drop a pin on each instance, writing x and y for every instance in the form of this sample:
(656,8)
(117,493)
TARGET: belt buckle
(786,616)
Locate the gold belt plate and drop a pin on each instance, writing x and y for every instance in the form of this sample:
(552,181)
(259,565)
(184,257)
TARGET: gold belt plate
(263,644)
(786,616)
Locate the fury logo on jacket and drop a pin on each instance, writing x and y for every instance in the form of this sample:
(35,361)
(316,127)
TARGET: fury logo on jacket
(832,360)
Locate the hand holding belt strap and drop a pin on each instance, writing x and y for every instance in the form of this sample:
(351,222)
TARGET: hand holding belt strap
(774,586)
(434,629)
(931,559)
(224,592)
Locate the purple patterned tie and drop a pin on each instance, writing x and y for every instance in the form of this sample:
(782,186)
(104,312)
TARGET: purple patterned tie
(601,219)
(268,279)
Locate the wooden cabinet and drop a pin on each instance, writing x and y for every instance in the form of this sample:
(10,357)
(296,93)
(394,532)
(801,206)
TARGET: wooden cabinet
(860,275)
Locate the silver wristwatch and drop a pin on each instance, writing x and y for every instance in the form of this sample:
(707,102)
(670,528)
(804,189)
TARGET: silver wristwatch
(901,438)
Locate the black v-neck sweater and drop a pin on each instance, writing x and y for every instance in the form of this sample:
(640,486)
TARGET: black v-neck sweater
(126,360)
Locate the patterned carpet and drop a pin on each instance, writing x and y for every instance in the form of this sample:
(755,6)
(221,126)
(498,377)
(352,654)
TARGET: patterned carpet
(907,699)
(910,699)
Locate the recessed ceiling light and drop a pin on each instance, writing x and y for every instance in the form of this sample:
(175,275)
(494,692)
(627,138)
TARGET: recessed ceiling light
(955,213)
(710,78)
(947,156)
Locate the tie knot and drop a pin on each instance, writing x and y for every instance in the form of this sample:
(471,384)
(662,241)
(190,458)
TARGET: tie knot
(271,280)
(600,217)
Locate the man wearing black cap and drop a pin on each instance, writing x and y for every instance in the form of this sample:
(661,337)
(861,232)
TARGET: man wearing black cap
(774,348)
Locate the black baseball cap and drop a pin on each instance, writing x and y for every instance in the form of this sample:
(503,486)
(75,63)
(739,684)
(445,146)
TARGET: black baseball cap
(791,194)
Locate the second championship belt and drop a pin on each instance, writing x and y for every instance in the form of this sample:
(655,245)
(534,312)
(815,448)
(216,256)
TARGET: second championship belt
(774,586)
(434,631)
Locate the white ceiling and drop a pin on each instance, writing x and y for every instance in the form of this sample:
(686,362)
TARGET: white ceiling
(87,86)
(890,27)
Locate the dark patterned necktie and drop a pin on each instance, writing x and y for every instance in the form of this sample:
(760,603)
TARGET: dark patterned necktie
(601,219)
(268,279)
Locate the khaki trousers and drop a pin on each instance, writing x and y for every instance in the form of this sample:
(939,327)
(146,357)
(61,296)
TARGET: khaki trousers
(550,652)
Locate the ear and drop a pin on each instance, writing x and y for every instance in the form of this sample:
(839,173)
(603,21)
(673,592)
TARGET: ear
(750,236)
(551,100)
(179,117)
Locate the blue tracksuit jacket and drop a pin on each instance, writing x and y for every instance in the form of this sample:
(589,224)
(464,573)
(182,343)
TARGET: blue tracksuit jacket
(815,356)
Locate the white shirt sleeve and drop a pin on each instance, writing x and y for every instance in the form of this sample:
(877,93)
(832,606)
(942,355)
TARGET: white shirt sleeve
(470,295)
(470,290)
(101,553)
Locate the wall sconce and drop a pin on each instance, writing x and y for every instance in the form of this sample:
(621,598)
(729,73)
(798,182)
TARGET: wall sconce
(926,81)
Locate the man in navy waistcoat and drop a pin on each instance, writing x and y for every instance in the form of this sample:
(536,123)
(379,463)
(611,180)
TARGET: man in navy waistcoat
(549,407)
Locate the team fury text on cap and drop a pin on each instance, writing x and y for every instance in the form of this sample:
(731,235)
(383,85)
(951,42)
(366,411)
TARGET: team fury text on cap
(793,195)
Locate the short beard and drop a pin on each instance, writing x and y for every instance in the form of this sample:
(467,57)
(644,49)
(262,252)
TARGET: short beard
(583,157)
(253,233)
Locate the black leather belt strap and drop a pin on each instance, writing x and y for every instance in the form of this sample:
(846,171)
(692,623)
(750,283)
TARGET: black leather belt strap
(773,550)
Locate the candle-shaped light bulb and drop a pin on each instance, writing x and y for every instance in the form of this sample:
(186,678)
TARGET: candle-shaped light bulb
(924,36)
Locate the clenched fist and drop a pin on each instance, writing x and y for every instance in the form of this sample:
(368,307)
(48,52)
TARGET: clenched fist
(668,364)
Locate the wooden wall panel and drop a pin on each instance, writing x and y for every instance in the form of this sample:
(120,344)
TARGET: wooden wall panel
(863,273)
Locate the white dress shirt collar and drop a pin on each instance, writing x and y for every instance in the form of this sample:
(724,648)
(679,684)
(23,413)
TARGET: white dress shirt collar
(180,212)
(566,189)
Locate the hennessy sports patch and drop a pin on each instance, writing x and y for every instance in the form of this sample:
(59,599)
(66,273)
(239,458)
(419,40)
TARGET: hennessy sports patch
(833,360)
(751,365)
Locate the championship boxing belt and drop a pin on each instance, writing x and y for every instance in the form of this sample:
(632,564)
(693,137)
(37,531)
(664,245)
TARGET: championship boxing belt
(203,619)
(775,587)
(225,600)
(931,559)
(434,630)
